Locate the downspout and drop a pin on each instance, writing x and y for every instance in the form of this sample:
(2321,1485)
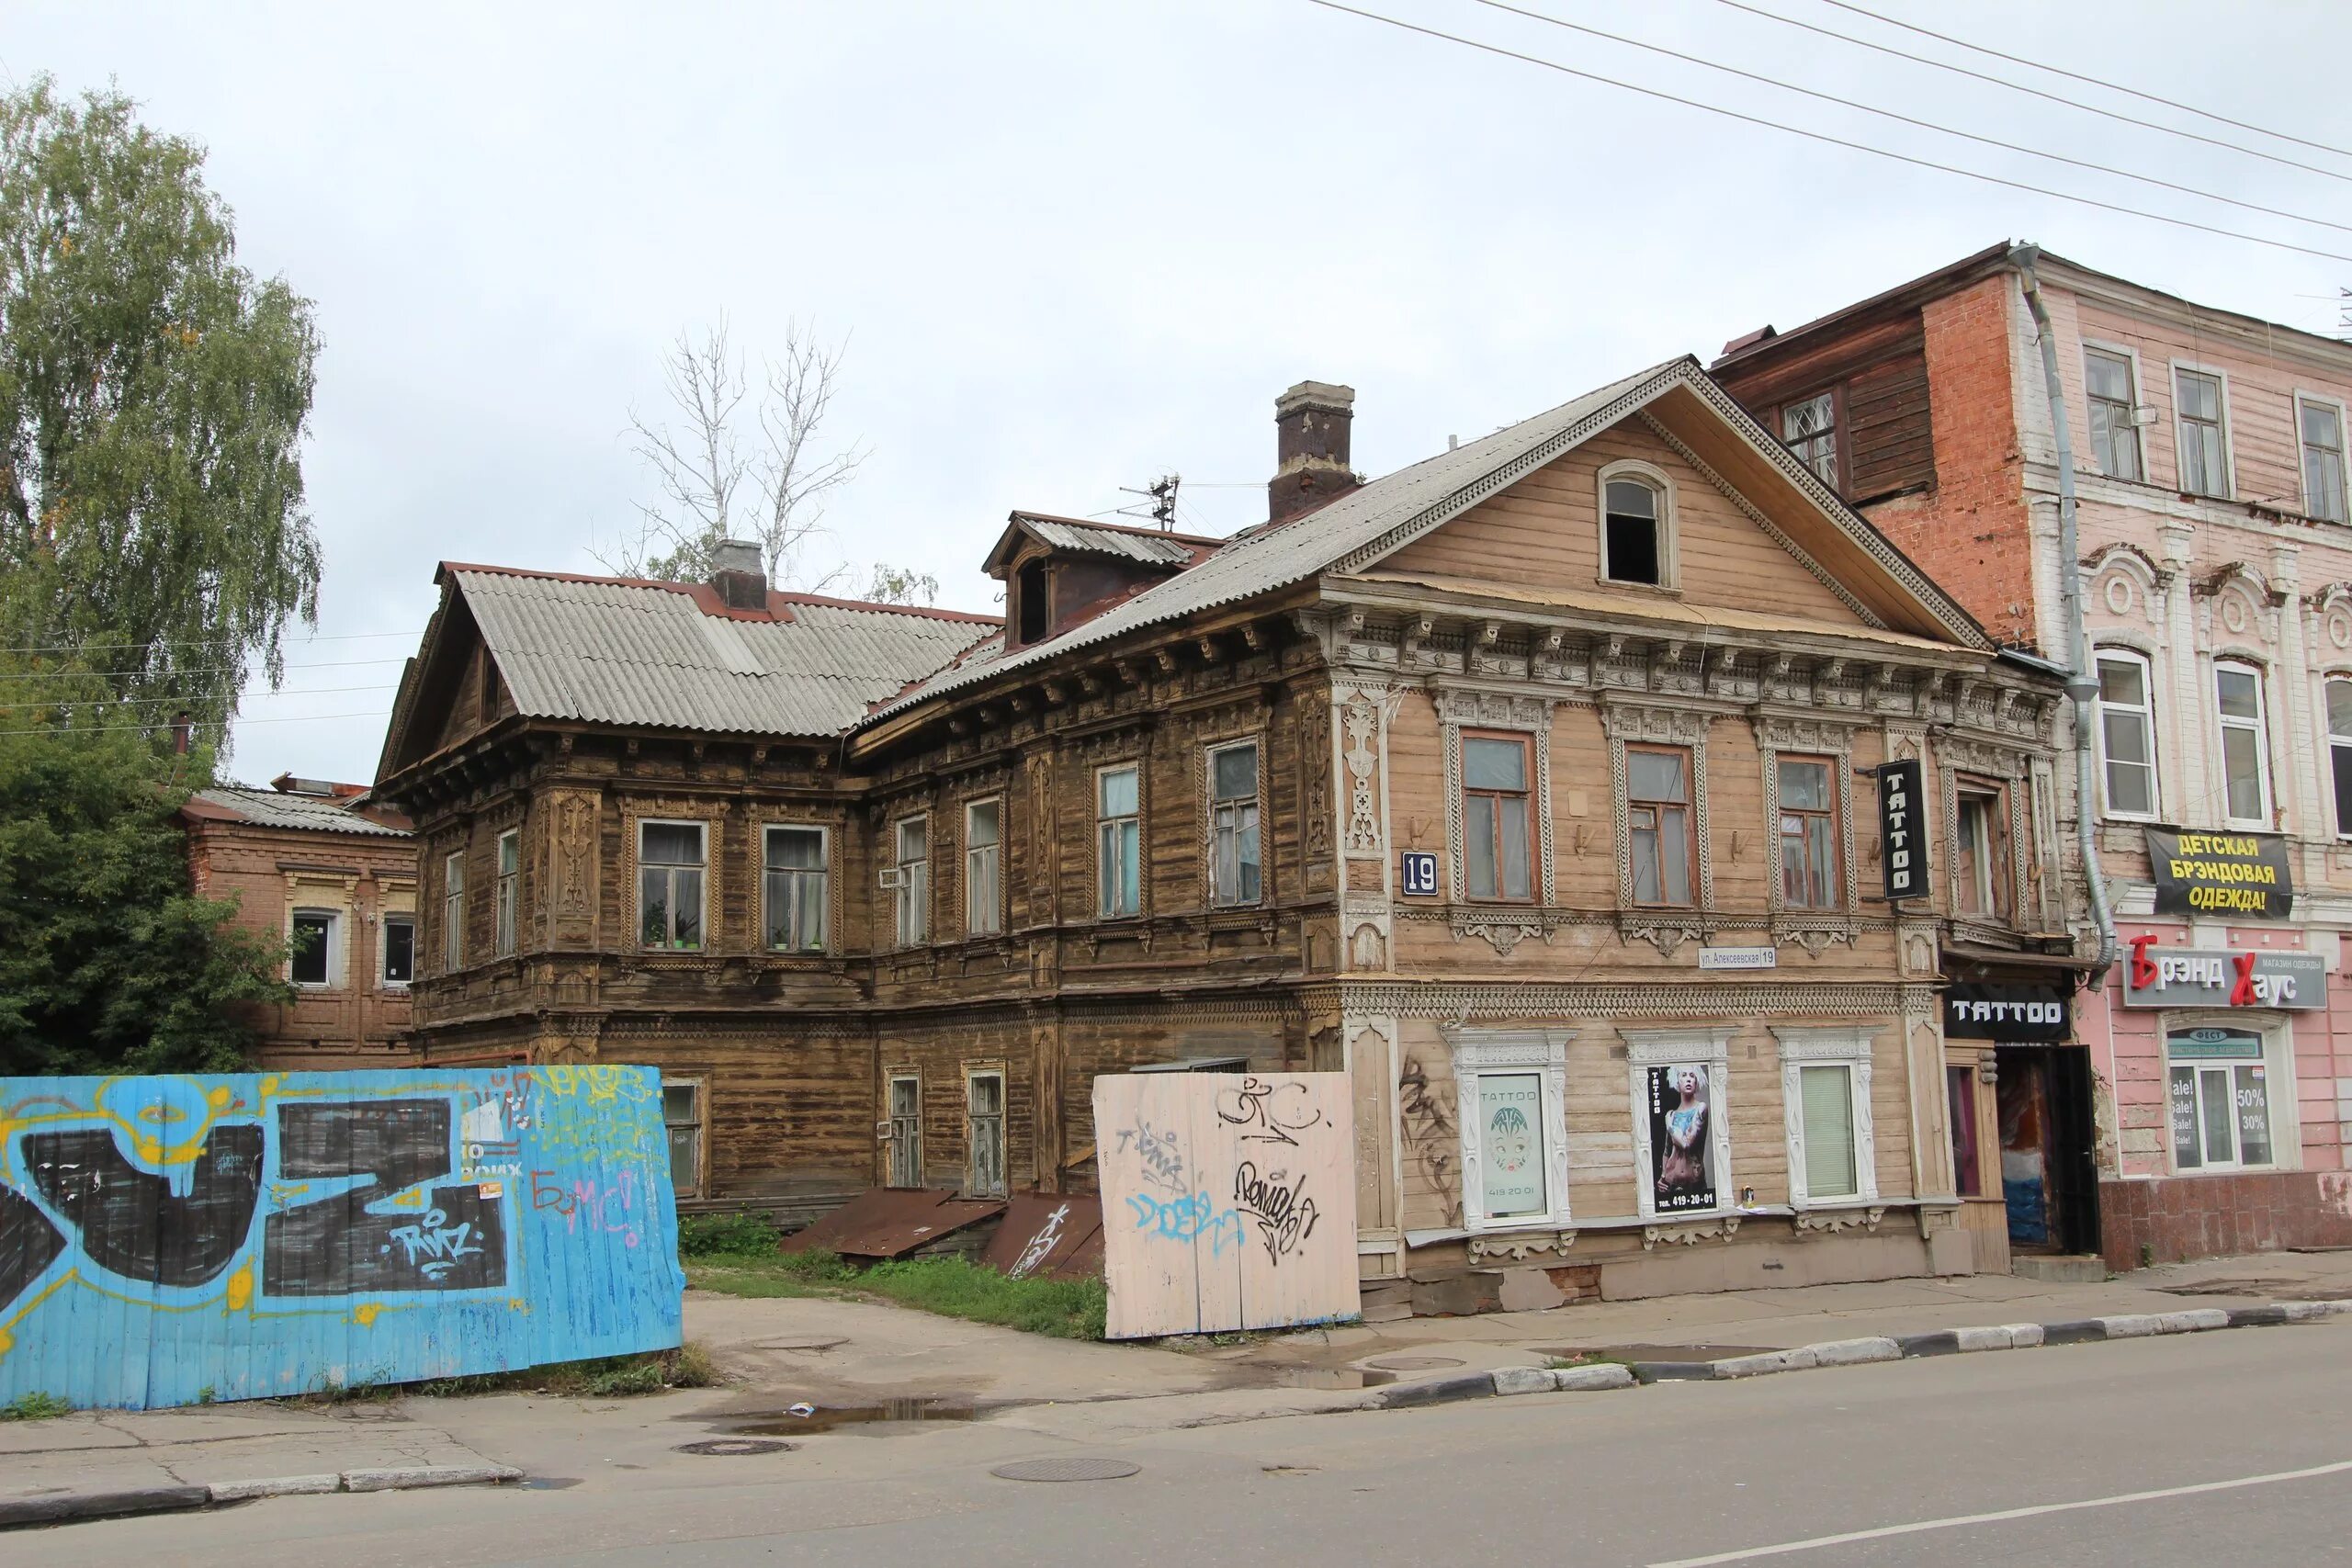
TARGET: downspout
(2081,684)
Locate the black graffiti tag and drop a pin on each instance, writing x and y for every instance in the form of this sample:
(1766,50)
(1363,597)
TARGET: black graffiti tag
(1286,1215)
(131,1221)
(335,1247)
(1272,1109)
(1163,1164)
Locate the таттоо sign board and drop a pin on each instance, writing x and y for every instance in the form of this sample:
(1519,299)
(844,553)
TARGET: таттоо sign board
(2204,874)
(1901,829)
(2014,1015)
(2216,978)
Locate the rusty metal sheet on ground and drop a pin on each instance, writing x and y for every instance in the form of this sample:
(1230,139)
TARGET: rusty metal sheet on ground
(891,1222)
(1048,1236)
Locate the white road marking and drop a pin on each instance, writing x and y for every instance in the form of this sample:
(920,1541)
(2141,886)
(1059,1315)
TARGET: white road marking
(1964,1520)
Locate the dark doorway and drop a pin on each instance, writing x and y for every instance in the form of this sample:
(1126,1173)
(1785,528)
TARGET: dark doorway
(2049,1167)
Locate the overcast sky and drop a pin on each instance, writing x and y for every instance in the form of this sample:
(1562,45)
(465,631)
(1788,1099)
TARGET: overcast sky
(1073,246)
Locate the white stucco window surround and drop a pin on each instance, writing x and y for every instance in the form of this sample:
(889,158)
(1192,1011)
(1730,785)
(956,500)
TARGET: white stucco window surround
(1825,1108)
(1674,1073)
(1512,1089)
(2231,1100)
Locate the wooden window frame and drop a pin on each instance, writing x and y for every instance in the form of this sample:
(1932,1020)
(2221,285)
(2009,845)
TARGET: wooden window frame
(637,866)
(1834,1045)
(1526,793)
(2260,728)
(2148,716)
(1659,483)
(973,1186)
(995,854)
(892,1078)
(1996,863)
(453,912)
(2342,798)
(701,1125)
(1108,868)
(2181,422)
(911,898)
(1689,806)
(508,896)
(1481,1054)
(1253,803)
(1831,816)
(2131,357)
(822,871)
(1838,449)
(2342,498)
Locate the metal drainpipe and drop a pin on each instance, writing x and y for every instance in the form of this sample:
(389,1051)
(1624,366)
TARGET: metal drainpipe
(2081,684)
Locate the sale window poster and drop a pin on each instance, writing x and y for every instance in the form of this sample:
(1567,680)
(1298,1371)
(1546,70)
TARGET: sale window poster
(1680,1110)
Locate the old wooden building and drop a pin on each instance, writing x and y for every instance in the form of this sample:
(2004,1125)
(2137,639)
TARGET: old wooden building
(1526,785)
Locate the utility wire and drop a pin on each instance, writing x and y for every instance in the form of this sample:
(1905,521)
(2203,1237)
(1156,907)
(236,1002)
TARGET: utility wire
(2092,81)
(2030,92)
(187,642)
(1826,137)
(193,724)
(112,703)
(1909,119)
(9,675)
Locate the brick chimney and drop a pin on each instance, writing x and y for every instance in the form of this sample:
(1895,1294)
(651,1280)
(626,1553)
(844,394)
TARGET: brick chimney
(1311,423)
(738,574)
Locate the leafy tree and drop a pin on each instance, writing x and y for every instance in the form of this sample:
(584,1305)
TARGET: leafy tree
(153,401)
(901,585)
(107,962)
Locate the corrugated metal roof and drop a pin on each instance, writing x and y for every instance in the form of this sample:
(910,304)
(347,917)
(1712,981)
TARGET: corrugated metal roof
(274,809)
(1158,549)
(1272,557)
(628,653)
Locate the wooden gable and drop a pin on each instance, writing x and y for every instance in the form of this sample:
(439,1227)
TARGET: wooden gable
(1748,536)
(450,690)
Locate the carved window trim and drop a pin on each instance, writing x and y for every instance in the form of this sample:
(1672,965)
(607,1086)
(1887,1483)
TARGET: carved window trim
(827,842)
(1984,766)
(1097,822)
(1461,708)
(1647,1048)
(1651,724)
(911,907)
(1543,1052)
(1820,1046)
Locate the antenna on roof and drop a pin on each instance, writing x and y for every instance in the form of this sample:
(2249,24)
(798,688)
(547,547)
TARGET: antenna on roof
(1161,495)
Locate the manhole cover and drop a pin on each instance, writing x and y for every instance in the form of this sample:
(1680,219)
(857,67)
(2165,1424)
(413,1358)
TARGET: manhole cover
(735,1446)
(1413,1363)
(1069,1469)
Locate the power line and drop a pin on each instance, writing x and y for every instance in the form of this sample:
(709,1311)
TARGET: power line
(2030,92)
(2092,81)
(194,724)
(7,676)
(1832,140)
(187,642)
(111,703)
(1909,119)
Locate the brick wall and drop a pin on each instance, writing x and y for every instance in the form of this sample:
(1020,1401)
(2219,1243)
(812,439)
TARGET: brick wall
(1969,532)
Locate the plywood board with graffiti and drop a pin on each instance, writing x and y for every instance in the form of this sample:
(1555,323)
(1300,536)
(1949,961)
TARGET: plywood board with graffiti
(1229,1200)
(166,1240)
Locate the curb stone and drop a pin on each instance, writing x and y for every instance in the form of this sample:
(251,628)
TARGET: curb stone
(15,1511)
(123,1502)
(1854,1352)
(403,1479)
(275,1486)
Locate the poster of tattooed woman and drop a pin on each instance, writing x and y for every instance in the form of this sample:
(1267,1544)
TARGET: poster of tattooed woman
(1681,1155)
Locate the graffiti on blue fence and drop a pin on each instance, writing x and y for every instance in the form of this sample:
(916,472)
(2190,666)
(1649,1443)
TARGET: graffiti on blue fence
(254,1235)
(1187,1219)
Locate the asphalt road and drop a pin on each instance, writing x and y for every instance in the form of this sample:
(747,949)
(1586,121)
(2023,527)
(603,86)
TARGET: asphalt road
(2232,1448)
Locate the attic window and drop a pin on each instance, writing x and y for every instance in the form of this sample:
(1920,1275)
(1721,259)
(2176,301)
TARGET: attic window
(1029,602)
(1634,519)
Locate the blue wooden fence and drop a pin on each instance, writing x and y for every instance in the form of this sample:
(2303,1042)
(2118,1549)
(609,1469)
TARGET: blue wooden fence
(167,1240)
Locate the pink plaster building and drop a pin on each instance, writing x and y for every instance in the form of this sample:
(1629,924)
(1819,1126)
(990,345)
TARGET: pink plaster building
(2199,1101)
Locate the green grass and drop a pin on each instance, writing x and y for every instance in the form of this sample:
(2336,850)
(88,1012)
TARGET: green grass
(726,1236)
(35,1407)
(952,1287)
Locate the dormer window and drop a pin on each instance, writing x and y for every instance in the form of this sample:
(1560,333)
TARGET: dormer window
(1636,526)
(1030,604)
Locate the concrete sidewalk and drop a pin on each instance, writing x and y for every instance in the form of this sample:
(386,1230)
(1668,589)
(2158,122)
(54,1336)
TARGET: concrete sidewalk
(1771,1320)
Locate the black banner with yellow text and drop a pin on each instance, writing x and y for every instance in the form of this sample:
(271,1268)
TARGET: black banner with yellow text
(2203,875)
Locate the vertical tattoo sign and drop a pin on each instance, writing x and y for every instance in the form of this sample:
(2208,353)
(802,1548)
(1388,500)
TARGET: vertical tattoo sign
(1902,830)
